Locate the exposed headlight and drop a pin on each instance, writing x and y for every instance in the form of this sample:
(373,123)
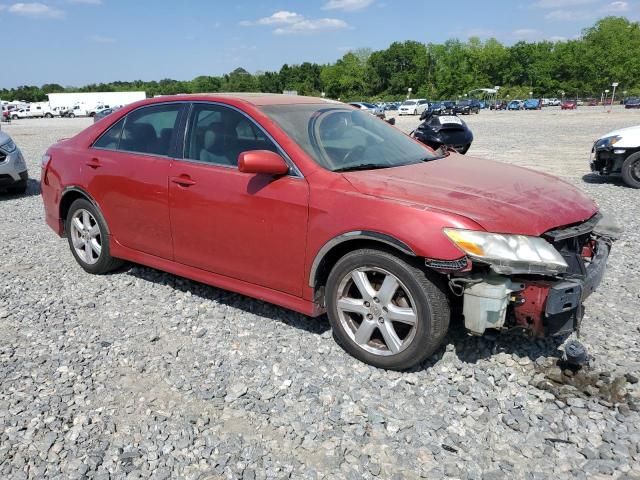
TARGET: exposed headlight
(8,147)
(509,254)
(607,142)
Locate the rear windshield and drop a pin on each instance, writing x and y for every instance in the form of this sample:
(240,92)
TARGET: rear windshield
(339,138)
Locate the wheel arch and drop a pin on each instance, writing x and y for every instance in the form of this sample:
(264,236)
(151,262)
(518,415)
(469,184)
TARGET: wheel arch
(338,246)
(70,195)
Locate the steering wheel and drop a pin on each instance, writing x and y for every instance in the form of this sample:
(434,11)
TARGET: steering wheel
(354,154)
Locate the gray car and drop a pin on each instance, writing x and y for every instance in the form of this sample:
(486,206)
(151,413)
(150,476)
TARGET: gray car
(13,169)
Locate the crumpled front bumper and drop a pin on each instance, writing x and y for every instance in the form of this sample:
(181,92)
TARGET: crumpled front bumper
(541,306)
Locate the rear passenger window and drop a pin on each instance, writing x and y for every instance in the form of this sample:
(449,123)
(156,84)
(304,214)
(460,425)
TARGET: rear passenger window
(150,130)
(218,134)
(111,138)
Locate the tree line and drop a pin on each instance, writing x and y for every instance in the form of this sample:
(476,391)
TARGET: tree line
(605,52)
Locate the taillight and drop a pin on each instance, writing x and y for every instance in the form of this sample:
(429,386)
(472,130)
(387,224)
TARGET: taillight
(44,161)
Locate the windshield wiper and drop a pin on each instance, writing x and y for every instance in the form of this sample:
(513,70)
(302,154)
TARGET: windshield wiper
(363,166)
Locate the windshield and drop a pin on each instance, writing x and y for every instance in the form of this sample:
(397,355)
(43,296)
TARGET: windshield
(464,103)
(339,138)
(409,102)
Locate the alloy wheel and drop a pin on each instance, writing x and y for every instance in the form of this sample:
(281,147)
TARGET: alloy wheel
(377,311)
(86,236)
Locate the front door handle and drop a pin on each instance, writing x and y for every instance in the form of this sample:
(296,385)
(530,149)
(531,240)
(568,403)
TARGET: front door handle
(94,163)
(183,180)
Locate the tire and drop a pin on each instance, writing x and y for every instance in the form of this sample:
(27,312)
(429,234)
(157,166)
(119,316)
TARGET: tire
(415,112)
(72,115)
(48,115)
(631,170)
(83,240)
(386,342)
(14,117)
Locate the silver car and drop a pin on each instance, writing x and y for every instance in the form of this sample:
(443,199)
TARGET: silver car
(369,107)
(13,169)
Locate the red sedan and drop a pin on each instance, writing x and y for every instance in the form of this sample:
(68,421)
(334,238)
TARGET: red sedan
(318,207)
(569,105)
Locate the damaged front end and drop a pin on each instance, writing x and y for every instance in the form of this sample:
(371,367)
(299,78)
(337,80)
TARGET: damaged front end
(535,284)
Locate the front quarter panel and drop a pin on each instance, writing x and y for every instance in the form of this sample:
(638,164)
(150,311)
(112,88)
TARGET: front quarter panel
(336,208)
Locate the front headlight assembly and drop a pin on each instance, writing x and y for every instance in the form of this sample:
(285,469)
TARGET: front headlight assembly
(8,147)
(607,142)
(509,254)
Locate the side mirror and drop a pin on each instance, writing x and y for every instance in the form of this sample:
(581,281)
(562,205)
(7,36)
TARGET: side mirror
(262,161)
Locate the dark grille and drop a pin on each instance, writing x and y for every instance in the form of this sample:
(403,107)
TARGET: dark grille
(570,242)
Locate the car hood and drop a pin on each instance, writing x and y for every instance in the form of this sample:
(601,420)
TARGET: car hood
(499,197)
(623,131)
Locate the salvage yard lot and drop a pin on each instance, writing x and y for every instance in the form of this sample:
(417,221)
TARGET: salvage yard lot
(141,373)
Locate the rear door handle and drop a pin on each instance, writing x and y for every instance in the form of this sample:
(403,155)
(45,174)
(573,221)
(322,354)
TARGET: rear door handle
(94,163)
(183,180)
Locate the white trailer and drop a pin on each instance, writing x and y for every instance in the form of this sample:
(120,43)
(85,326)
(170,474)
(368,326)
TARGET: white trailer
(88,103)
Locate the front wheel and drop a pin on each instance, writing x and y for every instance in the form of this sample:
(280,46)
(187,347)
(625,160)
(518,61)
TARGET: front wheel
(72,115)
(88,239)
(631,170)
(385,311)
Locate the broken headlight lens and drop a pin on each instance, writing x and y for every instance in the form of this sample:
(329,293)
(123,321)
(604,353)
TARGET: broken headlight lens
(509,254)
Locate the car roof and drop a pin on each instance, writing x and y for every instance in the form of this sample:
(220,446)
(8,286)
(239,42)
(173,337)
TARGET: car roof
(256,99)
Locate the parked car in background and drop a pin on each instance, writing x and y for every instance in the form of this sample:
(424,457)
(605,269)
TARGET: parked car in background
(532,104)
(618,153)
(32,111)
(580,102)
(569,105)
(102,113)
(392,106)
(466,107)
(369,108)
(554,102)
(500,105)
(632,103)
(13,169)
(318,207)
(449,131)
(413,107)
(515,105)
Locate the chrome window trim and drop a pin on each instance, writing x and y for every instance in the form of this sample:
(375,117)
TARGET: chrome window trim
(294,171)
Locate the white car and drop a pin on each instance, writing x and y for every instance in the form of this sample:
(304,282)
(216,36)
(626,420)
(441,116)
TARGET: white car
(13,169)
(618,153)
(370,108)
(37,111)
(413,107)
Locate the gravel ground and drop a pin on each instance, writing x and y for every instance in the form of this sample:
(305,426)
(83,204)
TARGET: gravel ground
(142,374)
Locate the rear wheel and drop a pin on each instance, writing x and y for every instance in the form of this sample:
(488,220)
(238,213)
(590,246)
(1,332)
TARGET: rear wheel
(631,170)
(384,311)
(88,238)
(72,115)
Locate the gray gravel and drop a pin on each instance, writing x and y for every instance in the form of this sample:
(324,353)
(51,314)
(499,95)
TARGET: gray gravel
(142,374)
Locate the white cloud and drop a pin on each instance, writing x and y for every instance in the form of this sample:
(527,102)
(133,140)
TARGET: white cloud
(347,5)
(616,7)
(557,38)
(312,26)
(568,15)
(294,23)
(35,10)
(281,17)
(525,33)
(101,39)
(557,4)
(86,2)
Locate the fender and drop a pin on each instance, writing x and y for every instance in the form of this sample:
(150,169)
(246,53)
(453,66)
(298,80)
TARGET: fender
(84,193)
(355,235)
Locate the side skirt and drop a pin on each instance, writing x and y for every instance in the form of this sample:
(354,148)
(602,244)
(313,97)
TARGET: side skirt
(258,292)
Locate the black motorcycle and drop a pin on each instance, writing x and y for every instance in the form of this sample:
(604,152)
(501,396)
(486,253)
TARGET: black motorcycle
(449,131)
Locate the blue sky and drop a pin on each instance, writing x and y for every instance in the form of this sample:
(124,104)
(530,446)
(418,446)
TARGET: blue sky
(74,42)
